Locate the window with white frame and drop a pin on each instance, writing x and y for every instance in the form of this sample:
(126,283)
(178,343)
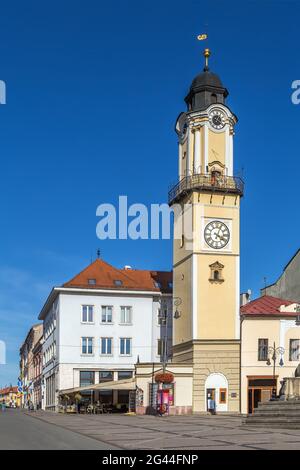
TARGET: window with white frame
(106,346)
(294,350)
(125,346)
(125,374)
(87,345)
(106,314)
(87,314)
(87,377)
(126,315)
(263,347)
(106,376)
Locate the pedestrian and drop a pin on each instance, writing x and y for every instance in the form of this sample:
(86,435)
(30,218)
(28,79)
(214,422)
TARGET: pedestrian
(213,406)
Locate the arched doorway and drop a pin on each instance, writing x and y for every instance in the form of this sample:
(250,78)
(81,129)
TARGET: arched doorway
(216,387)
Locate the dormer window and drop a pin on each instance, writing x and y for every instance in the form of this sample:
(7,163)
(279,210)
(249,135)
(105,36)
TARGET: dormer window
(157,284)
(117,282)
(92,282)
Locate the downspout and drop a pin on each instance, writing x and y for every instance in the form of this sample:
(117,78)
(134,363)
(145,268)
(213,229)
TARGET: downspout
(240,392)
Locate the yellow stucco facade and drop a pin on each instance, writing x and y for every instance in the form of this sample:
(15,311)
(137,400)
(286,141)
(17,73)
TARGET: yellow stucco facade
(206,333)
(216,312)
(279,329)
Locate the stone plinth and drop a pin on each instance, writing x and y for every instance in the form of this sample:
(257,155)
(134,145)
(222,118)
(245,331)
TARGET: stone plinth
(292,388)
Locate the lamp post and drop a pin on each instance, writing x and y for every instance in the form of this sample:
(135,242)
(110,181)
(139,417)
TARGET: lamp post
(275,353)
(163,316)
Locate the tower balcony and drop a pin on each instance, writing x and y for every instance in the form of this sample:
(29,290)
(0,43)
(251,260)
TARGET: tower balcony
(206,182)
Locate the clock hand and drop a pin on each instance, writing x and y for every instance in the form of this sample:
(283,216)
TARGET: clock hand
(221,237)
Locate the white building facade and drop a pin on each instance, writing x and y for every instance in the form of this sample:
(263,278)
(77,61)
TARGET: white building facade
(94,334)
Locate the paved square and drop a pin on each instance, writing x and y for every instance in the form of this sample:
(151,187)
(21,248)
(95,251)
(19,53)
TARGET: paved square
(174,432)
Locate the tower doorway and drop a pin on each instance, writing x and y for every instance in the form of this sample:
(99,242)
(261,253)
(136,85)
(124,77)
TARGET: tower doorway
(216,388)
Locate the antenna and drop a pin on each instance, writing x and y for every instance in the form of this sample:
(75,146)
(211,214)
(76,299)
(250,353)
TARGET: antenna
(98,253)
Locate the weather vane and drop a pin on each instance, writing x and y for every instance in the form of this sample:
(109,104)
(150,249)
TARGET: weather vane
(206,52)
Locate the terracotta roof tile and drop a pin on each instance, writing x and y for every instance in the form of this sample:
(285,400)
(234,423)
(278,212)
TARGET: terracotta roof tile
(100,274)
(7,390)
(267,305)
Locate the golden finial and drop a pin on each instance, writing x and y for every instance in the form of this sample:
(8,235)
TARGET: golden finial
(206,54)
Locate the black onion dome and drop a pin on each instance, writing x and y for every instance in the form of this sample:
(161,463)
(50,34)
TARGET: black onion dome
(207,79)
(206,89)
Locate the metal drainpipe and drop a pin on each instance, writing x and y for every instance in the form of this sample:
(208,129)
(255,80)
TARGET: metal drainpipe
(240,391)
(165,342)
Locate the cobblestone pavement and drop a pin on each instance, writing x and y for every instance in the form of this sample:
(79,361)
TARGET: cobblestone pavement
(176,432)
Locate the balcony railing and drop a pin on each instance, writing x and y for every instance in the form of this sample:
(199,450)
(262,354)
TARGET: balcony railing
(206,182)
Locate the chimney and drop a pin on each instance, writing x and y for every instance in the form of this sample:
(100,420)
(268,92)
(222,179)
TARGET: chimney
(245,297)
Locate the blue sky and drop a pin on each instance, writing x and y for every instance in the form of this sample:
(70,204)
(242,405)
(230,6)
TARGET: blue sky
(93,91)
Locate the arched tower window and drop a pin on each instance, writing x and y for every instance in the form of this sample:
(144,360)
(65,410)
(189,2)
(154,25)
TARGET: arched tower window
(213,98)
(216,273)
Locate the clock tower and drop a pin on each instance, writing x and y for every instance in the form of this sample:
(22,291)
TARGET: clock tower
(206,283)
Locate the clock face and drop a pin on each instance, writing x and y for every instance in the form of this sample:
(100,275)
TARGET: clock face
(216,234)
(182,126)
(184,129)
(217,119)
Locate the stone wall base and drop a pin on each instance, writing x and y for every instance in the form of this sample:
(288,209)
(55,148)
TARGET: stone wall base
(212,357)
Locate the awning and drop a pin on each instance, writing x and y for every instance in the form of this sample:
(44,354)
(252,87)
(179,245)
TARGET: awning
(126,384)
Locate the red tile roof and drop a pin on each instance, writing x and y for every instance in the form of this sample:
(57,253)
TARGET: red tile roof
(7,390)
(267,305)
(104,276)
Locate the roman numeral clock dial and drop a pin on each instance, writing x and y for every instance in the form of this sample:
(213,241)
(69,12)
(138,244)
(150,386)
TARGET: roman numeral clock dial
(216,234)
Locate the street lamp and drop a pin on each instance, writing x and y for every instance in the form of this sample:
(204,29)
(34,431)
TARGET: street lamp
(163,317)
(177,301)
(275,353)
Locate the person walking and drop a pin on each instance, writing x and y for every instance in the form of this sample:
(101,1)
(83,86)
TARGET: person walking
(213,406)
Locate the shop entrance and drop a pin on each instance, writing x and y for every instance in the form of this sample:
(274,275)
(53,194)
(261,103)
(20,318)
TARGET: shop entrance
(260,390)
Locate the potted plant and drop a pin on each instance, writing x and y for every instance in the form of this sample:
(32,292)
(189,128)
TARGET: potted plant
(164,377)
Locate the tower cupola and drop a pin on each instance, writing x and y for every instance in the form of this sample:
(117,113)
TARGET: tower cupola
(206,89)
